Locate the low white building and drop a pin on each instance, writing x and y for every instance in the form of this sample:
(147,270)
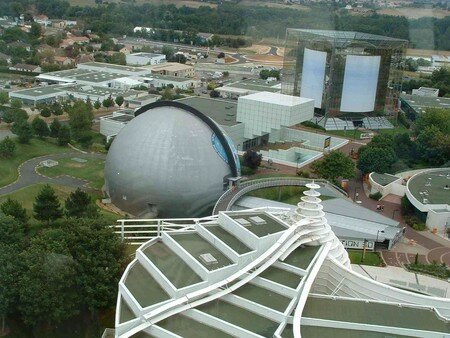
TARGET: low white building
(426,91)
(111,125)
(142,59)
(264,111)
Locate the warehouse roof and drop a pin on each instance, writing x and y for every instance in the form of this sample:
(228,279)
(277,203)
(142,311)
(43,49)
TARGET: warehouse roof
(420,103)
(221,111)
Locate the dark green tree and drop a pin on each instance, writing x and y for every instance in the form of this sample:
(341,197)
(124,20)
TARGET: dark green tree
(108,102)
(46,206)
(16,103)
(64,136)
(80,118)
(23,130)
(79,204)
(119,100)
(14,209)
(376,159)
(35,30)
(56,108)
(214,93)
(55,127)
(97,105)
(46,111)
(13,232)
(7,147)
(334,165)
(4,97)
(40,127)
(252,159)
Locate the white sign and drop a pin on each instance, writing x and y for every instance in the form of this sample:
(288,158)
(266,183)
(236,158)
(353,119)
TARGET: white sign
(357,244)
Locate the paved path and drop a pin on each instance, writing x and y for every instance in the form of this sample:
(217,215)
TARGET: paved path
(28,174)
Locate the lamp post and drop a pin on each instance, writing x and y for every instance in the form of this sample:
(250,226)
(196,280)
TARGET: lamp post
(355,194)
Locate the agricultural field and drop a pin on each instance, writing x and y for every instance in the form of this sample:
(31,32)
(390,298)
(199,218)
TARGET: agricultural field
(415,13)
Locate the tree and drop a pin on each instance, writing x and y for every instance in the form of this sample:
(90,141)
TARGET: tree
(108,102)
(46,112)
(35,30)
(97,105)
(214,93)
(47,287)
(119,100)
(80,118)
(252,159)
(55,127)
(167,94)
(439,118)
(266,73)
(167,51)
(14,209)
(56,108)
(16,103)
(433,146)
(334,165)
(46,206)
(64,136)
(221,55)
(7,148)
(40,127)
(14,115)
(13,232)
(4,97)
(375,159)
(9,275)
(180,58)
(23,130)
(79,204)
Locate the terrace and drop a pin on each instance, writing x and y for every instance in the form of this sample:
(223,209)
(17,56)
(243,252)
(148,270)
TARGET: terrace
(260,224)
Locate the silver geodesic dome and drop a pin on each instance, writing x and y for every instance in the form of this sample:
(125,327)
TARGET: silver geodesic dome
(169,161)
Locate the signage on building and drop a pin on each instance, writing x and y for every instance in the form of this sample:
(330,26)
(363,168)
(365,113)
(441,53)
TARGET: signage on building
(357,244)
(327,142)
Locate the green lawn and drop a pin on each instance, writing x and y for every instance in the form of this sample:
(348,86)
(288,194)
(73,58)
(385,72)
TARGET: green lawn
(24,152)
(92,170)
(371,258)
(26,197)
(286,194)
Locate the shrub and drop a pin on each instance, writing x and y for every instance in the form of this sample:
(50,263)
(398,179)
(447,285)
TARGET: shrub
(303,173)
(415,223)
(376,196)
(313,125)
(247,171)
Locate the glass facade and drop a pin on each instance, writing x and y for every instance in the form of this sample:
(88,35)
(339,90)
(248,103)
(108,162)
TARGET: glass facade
(338,45)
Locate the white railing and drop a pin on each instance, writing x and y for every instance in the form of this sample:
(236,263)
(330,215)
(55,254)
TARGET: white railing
(245,187)
(138,231)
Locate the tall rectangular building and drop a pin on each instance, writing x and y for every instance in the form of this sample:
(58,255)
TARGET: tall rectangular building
(348,74)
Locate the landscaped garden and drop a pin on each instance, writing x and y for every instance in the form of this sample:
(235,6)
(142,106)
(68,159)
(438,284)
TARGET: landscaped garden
(371,258)
(285,194)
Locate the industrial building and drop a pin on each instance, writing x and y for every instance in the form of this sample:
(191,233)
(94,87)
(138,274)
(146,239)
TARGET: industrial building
(174,69)
(262,273)
(142,59)
(170,160)
(415,105)
(350,75)
(51,93)
(248,86)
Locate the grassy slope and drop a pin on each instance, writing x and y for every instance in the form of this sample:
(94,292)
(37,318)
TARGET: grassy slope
(24,152)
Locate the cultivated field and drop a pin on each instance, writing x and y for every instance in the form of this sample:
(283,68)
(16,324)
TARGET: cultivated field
(178,3)
(415,13)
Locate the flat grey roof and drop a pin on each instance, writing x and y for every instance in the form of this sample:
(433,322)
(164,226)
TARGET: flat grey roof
(101,65)
(170,78)
(419,103)
(384,179)
(122,118)
(40,91)
(148,55)
(256,85)
(82,75)
(221,111)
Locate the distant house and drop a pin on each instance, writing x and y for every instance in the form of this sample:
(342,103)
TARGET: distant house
(42,19)
(58,24)
(7,23)
(5,57)
(83,58)
(72,40)
(23,67)
(126,50)
(63,60)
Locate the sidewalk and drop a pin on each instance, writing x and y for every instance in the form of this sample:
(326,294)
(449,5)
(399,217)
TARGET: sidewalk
(403,279)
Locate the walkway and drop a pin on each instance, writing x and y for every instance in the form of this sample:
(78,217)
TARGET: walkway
(28,174)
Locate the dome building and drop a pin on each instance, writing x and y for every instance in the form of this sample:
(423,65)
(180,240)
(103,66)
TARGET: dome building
(169,161)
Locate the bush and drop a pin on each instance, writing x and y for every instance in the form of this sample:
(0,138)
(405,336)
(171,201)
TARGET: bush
(376,196)
(313,125)
(437,270)
(303,173)
(252,159)
(415,223)
(7,147)
(406,207)
(246,171)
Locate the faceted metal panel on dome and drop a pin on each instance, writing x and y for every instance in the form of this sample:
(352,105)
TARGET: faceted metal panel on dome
(168,162)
